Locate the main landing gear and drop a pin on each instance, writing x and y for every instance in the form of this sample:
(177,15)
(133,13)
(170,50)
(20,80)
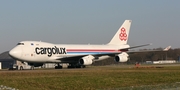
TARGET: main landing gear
(58,66)
(75,66)
(71,65)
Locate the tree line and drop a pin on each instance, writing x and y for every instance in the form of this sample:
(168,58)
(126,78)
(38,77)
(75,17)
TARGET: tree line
(172,54)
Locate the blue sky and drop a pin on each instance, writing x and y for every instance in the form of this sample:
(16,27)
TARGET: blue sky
(93,21)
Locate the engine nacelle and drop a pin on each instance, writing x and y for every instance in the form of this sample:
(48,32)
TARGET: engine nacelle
(87,60)
(123,57)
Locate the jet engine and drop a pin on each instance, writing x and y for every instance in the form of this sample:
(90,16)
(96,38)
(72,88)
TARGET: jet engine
(87,60)
(123,57)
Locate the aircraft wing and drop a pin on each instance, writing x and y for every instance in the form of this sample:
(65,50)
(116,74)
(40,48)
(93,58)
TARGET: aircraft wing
(136,46)
(165,49)
(77,57)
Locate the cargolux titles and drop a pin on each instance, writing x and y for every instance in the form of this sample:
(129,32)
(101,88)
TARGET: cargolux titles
(50,51)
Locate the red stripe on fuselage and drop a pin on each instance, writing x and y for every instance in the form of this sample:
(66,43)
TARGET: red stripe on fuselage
(91,50)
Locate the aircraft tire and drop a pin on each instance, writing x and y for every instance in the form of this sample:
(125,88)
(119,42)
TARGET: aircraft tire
(58,67)
(83,66)
(21,67)
(32,68)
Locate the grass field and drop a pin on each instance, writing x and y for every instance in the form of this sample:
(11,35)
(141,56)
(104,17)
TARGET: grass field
(93,77)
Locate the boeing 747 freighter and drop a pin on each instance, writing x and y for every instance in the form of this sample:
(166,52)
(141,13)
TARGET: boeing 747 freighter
(36,52)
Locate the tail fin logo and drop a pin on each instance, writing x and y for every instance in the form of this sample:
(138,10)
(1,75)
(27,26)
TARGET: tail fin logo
(123,35)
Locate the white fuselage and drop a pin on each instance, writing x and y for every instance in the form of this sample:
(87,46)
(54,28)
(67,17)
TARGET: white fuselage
(33,51)
(42,52)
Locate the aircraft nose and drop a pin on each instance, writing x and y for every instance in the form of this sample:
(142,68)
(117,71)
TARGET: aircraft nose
(16,52)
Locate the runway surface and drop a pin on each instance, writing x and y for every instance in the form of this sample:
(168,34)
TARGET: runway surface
(92,67)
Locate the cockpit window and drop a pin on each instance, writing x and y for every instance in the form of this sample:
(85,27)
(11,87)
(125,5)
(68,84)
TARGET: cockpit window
(20,44)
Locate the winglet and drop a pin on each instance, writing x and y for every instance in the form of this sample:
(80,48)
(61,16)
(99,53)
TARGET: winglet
(167,48)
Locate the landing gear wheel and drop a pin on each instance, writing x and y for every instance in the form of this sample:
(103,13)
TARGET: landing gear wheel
(83,66)
(32,68)
(21,68)
(58,66)
(76,66)
(72,66)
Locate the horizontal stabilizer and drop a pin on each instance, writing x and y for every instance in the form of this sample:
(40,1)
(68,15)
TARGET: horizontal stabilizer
(167,48)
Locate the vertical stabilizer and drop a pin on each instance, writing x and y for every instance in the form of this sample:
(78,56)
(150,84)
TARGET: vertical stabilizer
(121,36)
